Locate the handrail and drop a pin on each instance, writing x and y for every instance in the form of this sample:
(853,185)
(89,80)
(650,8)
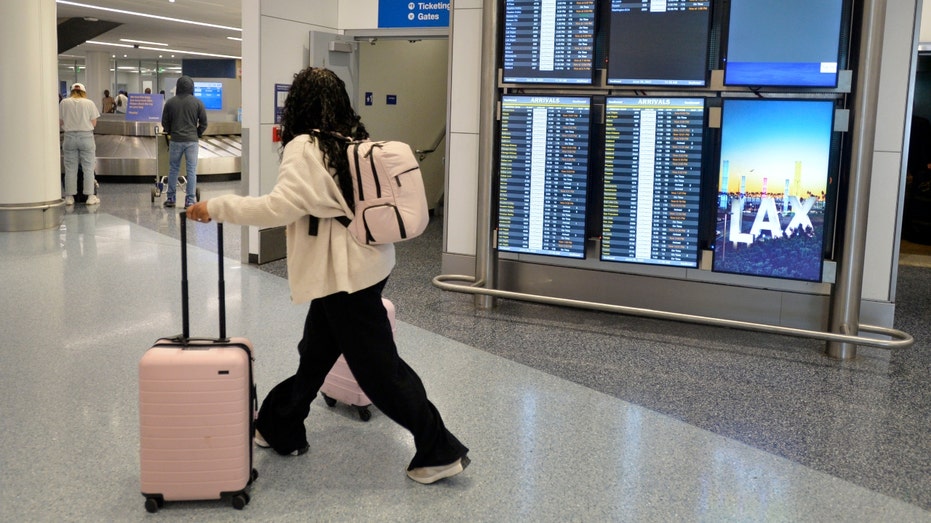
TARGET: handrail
(900,339)
(422,153)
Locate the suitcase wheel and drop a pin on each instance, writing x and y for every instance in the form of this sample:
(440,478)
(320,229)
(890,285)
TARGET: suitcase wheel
(365,414)
(240,501)
(330,402)
(153,503)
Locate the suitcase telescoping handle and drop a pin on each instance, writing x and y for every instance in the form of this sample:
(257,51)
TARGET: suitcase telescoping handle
(185,320)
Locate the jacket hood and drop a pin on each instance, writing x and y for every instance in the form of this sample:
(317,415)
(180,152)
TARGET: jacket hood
(185,85)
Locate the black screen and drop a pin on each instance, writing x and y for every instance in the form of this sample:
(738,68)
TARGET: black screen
(658,42)
(549,41)
(789,43)
(543,168)
(653,159)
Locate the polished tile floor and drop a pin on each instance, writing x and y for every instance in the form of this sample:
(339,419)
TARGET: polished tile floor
(571,415)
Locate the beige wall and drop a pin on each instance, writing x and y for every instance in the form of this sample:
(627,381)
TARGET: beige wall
(414,71)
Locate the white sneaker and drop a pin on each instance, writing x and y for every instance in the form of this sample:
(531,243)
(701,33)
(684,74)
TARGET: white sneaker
(260,442)
(69,200)
(93,200)
(427,475)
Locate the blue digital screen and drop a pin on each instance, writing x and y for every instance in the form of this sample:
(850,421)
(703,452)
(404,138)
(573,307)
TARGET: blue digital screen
(211,93)
(790,43)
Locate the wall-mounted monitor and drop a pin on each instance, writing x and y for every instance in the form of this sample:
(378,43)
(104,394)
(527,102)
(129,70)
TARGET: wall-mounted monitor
(652,180)
(543,174)
(548,41)
(789,43)
(211,93)
(658,42)
(772,187)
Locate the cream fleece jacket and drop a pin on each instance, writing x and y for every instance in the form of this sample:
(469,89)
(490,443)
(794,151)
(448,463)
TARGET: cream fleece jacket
(330,262)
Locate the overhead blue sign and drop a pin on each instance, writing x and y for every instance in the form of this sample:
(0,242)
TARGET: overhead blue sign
(408,13)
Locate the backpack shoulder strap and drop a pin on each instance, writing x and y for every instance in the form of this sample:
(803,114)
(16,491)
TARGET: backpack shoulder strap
(314,226)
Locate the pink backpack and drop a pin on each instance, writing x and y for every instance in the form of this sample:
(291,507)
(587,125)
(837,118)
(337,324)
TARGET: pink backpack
(390,201)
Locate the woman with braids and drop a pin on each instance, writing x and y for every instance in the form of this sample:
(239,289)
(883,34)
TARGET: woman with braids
(341,278)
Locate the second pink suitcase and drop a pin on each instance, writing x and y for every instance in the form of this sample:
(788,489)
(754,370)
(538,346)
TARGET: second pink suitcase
(197,404)
(340,384)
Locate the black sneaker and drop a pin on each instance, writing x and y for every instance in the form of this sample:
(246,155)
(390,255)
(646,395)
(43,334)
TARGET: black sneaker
(170,202)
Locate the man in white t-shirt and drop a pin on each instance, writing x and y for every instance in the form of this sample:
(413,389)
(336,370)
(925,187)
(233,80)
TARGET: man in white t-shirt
(121,102)
(77,116)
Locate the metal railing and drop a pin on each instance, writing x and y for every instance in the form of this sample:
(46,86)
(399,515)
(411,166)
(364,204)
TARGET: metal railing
(900,340)
(422,153)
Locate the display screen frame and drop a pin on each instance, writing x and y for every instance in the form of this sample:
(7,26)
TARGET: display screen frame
(772,141)
(775,33)
(577,188)
(210,93)
(679,213)
(512,74)
(643,58)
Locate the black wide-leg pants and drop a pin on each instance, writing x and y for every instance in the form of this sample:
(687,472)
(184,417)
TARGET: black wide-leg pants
(357,326)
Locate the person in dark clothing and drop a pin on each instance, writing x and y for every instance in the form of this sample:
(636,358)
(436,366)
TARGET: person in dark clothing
(184,120)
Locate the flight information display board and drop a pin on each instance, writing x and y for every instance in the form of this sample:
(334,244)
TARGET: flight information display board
(659,42)
(549,41)
(653,157)
(543,168)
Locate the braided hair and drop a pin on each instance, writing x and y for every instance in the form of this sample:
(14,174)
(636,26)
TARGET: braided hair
(318,105)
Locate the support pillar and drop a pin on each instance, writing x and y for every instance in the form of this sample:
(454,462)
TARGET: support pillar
(845,302)
(30,180)
(485,260)
(97,76)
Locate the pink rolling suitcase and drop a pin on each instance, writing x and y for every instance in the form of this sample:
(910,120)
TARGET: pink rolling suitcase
(340,384)
(197,404)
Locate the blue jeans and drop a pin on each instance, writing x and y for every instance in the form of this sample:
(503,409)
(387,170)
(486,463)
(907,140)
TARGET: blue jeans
(175,151)
(79,147)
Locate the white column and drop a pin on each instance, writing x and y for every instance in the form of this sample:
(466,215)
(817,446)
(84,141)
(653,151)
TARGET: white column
(97,76)
(30,180)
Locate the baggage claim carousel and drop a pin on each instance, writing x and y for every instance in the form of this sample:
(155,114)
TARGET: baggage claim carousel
(130,152)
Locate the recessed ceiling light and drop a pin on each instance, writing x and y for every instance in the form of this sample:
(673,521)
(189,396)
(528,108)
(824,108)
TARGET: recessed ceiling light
(179,51)
(140,41)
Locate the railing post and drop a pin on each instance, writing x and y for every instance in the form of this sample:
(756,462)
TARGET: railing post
(485,266)
(845,302)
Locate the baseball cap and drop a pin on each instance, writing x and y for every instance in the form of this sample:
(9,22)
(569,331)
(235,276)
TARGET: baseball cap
(78,87)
